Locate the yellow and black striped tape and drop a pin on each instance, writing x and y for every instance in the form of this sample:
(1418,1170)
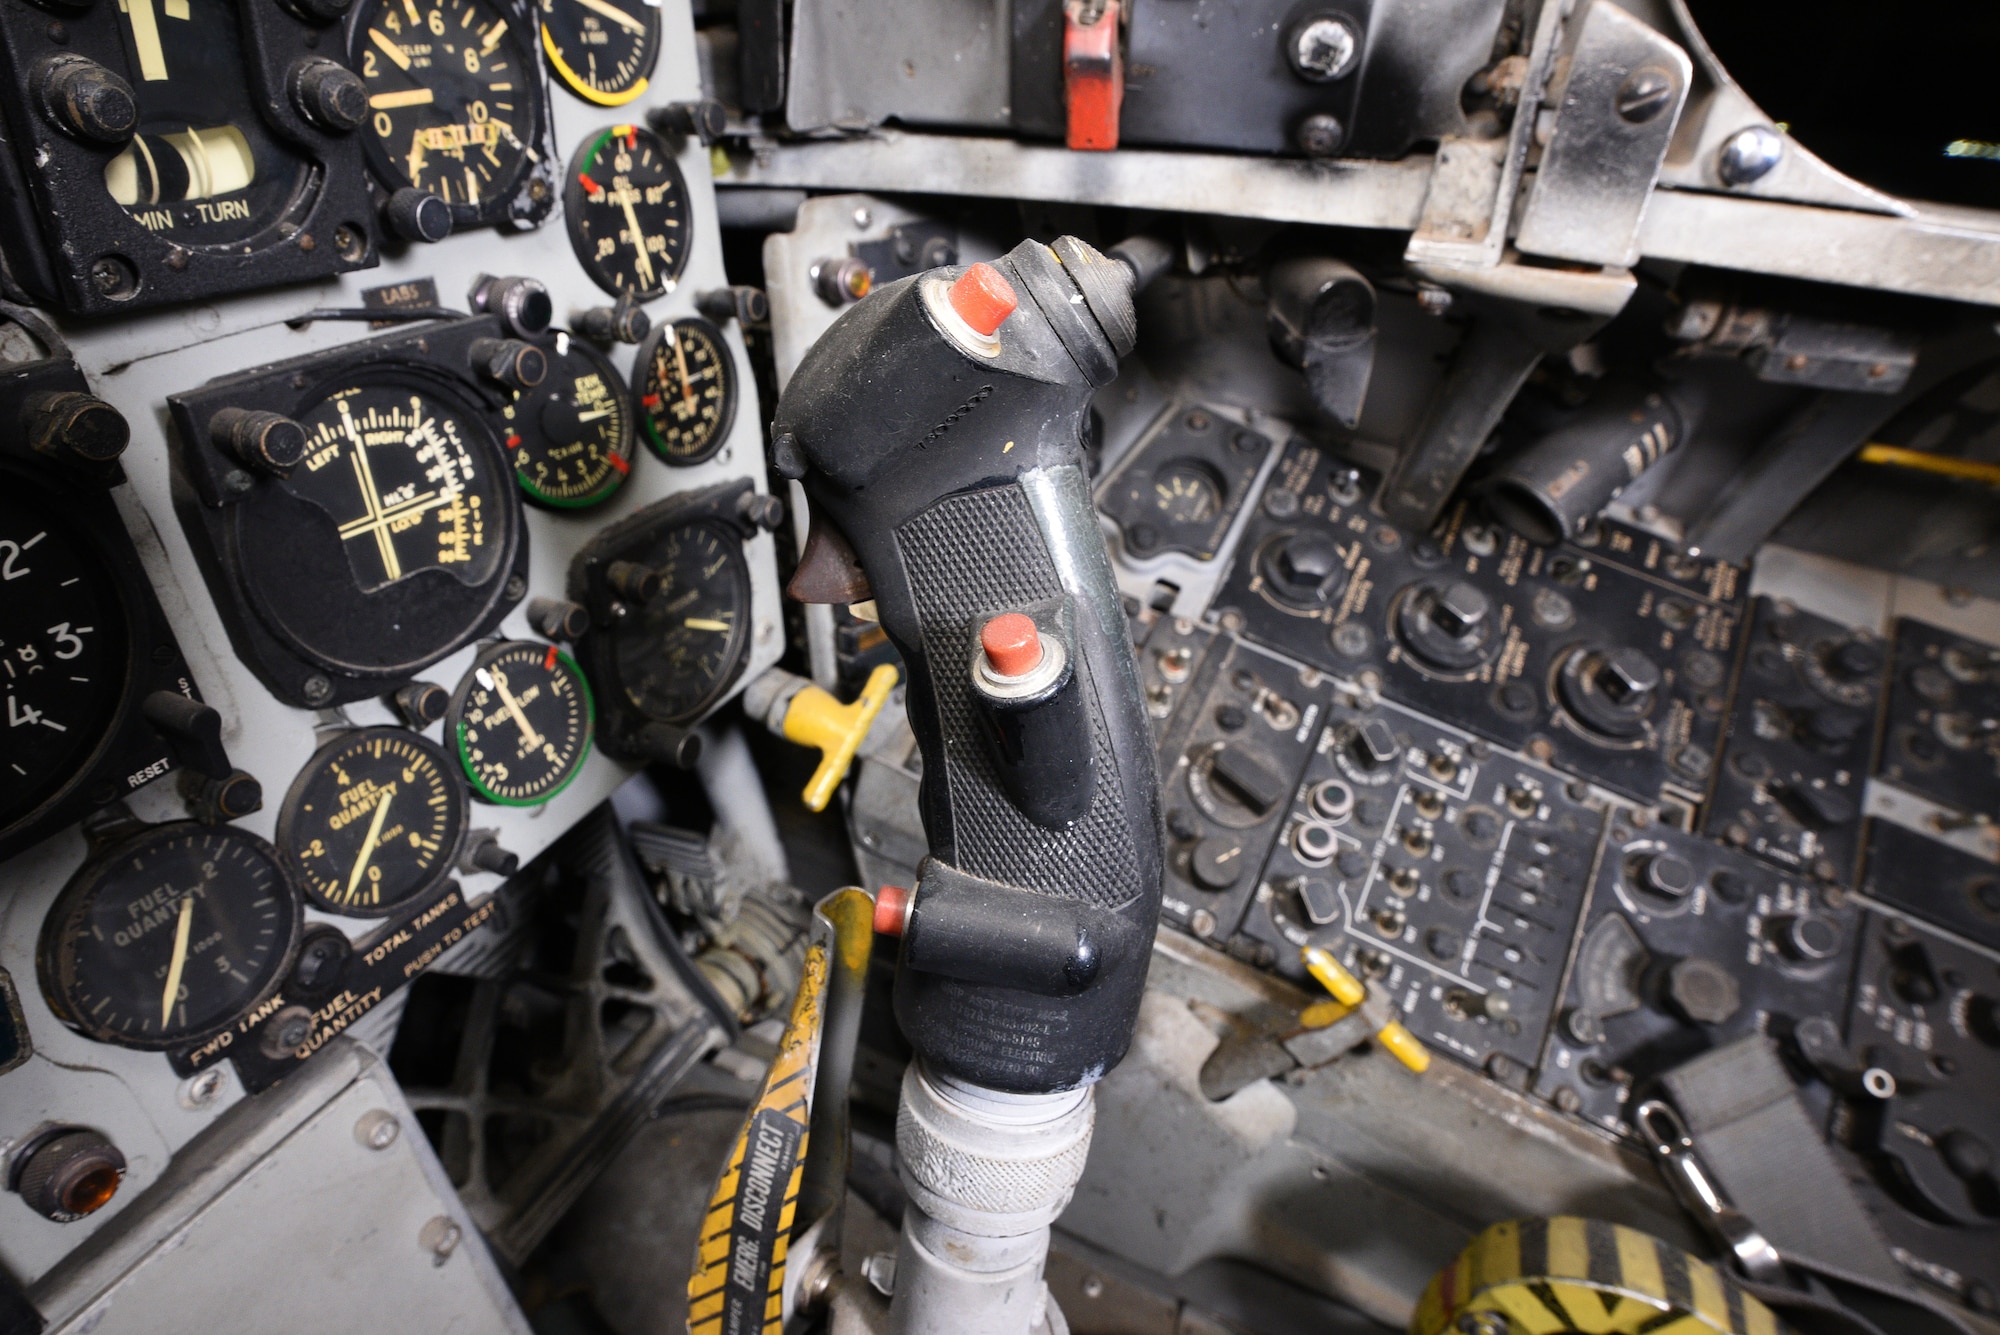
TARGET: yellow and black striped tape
(738,1283)
(1543,1276)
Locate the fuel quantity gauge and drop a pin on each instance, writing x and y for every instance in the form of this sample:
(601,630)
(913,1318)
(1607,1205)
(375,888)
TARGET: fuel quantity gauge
(373,821)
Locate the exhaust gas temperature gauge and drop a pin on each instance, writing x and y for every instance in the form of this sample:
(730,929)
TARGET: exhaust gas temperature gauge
(627,206)
(571,437)
(169,936)
(521,721)
(687,390)
(373,821)
(602,49)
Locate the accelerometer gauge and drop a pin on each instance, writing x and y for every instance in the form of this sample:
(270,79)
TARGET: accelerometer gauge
(373,821)
(603,50)
(169,936)
(627,207)
(521,722)
(62,654)
(687,390)
(456,104)
(571,436)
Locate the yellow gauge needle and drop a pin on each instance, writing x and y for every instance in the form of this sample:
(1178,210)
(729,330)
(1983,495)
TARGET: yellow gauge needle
(681,363)
(638,239)
(181,930)
(493,36)
(529,737)
(407,97)
(593,414)
(615,14)
(705,623)
(146,36)
(368,847)
(389,48)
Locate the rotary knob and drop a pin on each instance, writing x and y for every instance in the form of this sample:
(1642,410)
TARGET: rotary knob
(88,100)
(1305,569)
(329,94)
(1448,626)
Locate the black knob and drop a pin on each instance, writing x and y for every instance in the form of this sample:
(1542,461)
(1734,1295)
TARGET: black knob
(622,322)
(1806,937)
(1854,660)
(761,509)
(1965,1155)
(69,1173)
(322,955)
(1374,745)
(1832,728)
(88,100)
(670,745)
(510,362)
(743,304)
(706,119)
(1447,627)
(329,94)
(421,703)
(1460,611)
(633,581)
(417,215)
(1244,774)
(487,855)
(558,618)
(71,422)
(265,441)
(1305,568)
(1667,874)
(318,11)
(1703,990)
(193,731)
(1628,678)
(522,304)
(218,801)
(1217,862)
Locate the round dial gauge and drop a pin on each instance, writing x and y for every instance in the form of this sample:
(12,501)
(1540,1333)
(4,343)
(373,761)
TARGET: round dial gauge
(1186,493)
(400,472)
(454,96)
(603,50)
(571,436)
(521,721)
(627,206)
(202,170)
(676,654)
(687,391)
(62,656)
(170,936)
(372,821)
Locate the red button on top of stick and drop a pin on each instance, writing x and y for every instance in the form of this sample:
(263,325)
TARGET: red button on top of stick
(983,298)
(1012,644)
(892,910)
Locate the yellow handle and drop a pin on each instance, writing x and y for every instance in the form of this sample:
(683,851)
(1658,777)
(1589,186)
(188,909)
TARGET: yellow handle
(816,718)
(1347,990)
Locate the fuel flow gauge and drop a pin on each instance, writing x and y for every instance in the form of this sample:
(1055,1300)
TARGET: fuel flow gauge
(521,722)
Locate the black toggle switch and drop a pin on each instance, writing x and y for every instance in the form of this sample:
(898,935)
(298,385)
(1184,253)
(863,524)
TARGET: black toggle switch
(193,732)
(1374,745)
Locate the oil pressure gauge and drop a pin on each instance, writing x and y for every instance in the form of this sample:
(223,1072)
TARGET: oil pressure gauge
(627,207)
(373,821)
(602,50)
(687,391)
(521,722)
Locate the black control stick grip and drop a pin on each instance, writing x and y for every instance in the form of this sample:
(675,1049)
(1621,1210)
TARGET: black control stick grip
(937,431)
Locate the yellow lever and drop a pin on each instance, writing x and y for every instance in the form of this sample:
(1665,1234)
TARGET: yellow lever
(815,718)
(1347,990)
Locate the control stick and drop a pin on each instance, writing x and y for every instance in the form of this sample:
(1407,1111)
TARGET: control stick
(936,429)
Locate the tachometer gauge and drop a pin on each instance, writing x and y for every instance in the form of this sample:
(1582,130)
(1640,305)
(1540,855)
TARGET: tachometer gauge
(521,722)
(373,821)
(626,203)
(571,437)
(455,103)
(169,936)
(683,647)
(687,390)
(603,50)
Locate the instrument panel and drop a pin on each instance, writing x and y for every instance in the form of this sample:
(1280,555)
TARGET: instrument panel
(403,438)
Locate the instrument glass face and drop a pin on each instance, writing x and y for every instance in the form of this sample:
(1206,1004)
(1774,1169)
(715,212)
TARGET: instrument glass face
(62,656)
(681,650)
(687,394)
(396,470)
(372,821)
(602,50)
(572,435)
(1186,493)
(627,206)
(172,937)
(202,170)
(453,101)
(521,721)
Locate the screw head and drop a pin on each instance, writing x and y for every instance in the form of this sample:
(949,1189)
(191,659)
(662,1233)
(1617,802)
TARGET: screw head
(377,1129)
(1646,92)
(1749,155)
(1323,47)
(316,689)
(1320,135)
